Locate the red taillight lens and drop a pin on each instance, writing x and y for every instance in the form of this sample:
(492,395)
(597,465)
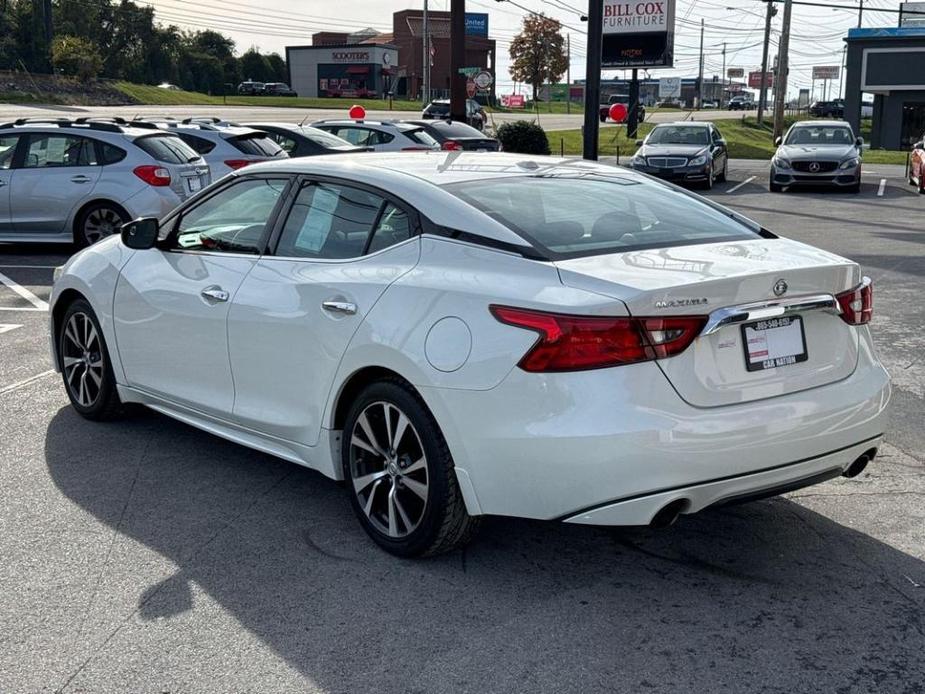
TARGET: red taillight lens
(451,146)
(236,164)
(572,343)
(857,305)
(153,175)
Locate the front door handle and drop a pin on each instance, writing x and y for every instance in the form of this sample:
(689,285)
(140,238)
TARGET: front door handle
(214,294)
(80,178)
(344,307)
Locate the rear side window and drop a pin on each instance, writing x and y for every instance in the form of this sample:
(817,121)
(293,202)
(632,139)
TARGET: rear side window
(169,149)
(200,144)
(110,154)
(324,138)
(573,217)
(257,144)
(364,137)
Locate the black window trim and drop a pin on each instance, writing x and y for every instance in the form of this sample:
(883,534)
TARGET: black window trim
(19,157)
(415,218)
(172,222)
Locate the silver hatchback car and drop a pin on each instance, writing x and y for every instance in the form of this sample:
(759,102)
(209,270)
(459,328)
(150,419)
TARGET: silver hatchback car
(79,180)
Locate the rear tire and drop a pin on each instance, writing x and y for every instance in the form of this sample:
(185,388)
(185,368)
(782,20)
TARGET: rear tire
(85,365)
(98,221)
(400,475)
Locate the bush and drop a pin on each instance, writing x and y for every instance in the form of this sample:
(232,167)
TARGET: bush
(73,55)
(523,137)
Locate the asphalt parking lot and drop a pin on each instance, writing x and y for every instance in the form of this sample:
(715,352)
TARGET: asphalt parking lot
(146,556)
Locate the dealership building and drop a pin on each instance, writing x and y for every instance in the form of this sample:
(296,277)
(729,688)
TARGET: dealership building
(890,64)
(372,63)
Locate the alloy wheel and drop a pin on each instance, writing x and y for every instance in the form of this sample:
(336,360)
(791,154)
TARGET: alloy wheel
(388,469)
(100,223)
(82,359)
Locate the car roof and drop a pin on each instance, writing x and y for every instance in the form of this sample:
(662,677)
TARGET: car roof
(686,123)
(371,123)
(818,122)
(419,177)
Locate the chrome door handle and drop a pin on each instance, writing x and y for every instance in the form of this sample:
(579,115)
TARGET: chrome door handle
(344,307)
(214,294)
(80,178)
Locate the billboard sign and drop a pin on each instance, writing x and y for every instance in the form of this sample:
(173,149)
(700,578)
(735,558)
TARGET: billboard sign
(669,88)
(912,14)
(513,100)
(825,72)
(638,33)
(477,24)
(754,80)
(735,73)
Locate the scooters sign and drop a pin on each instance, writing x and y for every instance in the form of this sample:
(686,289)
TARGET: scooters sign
(638,33)
(636,16)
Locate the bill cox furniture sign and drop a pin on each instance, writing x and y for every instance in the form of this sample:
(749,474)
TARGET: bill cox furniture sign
(638,33)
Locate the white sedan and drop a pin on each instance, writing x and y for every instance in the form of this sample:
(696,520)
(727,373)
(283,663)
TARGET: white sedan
(457,335)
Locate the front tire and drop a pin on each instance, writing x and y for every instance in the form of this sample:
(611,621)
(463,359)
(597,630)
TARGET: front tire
(85,365)
(98,221)
(774,187)
(400,474)
(722,176)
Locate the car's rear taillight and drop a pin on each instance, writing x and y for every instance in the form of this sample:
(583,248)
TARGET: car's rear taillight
(235,164)
(857,305)
(573,343)
(153,175)
(451,146)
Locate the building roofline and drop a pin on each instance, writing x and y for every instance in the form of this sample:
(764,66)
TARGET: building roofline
(344,45)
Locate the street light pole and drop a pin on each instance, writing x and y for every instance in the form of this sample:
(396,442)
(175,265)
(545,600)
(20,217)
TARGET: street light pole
(593,79)
(425,58)
(763,94)
(457,58)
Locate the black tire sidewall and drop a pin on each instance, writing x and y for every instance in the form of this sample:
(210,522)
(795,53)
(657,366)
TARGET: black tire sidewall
(438,467)
(107,390)
(79,239)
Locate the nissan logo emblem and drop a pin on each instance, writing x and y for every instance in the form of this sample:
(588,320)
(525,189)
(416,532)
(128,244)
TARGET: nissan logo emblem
(780,288)
(813,168)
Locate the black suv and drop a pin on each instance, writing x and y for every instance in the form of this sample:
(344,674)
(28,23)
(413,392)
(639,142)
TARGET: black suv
(249,88)
(828,109)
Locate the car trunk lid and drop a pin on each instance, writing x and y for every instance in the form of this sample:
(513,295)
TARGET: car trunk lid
(758,354)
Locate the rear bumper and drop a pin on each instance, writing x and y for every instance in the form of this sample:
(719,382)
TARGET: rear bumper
(622,443)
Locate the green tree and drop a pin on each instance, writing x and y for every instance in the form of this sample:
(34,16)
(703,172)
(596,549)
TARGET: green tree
(254,66)
(538,52)
(75,56)
(278,68)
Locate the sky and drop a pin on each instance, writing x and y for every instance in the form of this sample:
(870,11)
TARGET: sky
(816,32)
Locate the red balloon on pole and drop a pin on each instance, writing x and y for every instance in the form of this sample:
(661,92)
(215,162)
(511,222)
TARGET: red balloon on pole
(617,113)
(357,112)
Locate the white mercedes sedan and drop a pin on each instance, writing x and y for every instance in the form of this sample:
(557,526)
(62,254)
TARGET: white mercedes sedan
(456,335)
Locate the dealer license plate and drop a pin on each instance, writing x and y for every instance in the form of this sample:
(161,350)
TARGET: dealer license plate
(194,184)
(773,343)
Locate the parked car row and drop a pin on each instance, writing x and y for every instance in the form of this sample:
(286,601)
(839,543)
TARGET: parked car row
(439,109)
(64,180)
(250,88)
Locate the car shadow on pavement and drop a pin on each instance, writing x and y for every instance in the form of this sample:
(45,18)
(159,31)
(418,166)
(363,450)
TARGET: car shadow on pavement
(762,597)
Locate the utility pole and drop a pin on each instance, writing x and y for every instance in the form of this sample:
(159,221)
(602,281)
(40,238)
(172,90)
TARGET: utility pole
(763,95)
(722,96)
(632,118)
(425,58)
(861,13)
(593,79)
(49,31)
(783,67)
(457,60)
(568,74)
(700,75)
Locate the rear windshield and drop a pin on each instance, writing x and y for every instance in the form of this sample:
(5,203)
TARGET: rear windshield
(571,216)
(439,107)
(167,148)
(420,136)
(325,139)
(258,144)
(455,129)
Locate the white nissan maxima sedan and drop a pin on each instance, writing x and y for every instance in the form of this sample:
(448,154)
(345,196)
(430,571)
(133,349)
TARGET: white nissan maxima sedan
(457,335)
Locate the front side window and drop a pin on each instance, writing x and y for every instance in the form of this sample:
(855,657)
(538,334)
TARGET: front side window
(393,227)
(233,220)
(59,150)
(7,150)
(287,143)
(329,221)
(572,216)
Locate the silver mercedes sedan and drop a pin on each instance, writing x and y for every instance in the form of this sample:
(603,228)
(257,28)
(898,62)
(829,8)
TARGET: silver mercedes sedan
(817,153)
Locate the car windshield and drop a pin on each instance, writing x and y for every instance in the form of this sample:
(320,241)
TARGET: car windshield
(439,107)
(325,139)
(820,135)
(679,135)
(574,215)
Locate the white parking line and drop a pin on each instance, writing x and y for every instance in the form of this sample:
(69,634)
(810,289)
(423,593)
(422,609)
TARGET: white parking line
(881,188)
(38,303)
(25,382)
(747,180)
(7,327)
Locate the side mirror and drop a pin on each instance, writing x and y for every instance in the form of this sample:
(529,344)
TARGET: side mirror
(778,140)
(721,142)
(859,142)
(141,234)
(639,143)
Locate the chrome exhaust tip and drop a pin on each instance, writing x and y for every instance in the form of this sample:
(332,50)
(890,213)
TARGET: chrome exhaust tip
(668,514)
(857,467)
